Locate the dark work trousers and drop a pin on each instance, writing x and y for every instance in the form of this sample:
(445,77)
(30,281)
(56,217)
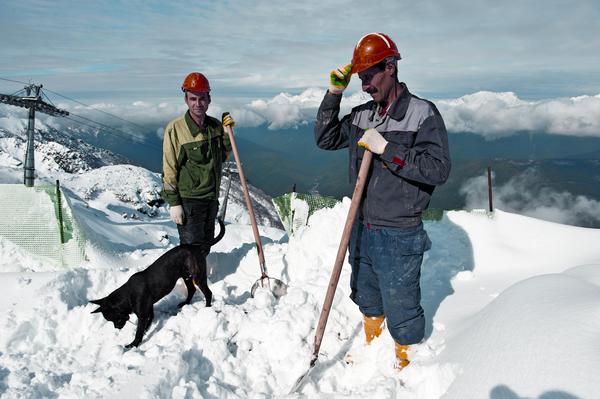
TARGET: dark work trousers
(199,222)
(386,272)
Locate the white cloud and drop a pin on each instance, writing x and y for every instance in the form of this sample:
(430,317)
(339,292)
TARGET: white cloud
(286,110)
(489,114)
(522,195)
(138,112)
(501,114)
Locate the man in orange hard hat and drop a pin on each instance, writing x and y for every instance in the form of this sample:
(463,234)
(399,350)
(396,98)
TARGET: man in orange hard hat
(194,148)
(408,139)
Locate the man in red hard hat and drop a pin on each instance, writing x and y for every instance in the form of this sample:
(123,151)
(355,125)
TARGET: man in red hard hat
(408,139)
(194,148)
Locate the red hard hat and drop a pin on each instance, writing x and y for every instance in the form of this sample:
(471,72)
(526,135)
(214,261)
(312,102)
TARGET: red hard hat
(196,83)
(372,49)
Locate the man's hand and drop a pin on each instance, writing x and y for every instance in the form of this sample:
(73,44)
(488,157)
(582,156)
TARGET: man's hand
(339,79)
(373,141)
(228,120)
(176,213)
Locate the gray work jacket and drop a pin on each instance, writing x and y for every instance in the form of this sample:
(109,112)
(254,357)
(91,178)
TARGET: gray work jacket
(415,160)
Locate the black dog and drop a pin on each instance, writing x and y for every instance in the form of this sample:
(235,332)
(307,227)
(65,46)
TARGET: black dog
(144,288)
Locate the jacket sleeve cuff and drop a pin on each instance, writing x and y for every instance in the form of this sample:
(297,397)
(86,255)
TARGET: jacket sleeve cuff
(339,95)
(172,198)
(395,153)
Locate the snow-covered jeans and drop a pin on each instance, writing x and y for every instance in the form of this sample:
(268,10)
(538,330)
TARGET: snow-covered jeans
(386,272)
(199,222)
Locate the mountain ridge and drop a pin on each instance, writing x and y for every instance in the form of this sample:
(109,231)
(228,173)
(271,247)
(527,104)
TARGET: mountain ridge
(88,171)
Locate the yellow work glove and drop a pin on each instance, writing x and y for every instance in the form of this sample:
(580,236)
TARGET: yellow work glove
(228,120)
(373,141)
(339,79)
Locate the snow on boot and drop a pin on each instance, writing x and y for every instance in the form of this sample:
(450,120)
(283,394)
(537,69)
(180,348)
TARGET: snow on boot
(401,356)
(373,327)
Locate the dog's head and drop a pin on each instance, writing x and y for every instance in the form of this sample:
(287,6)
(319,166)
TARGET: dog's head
(111,313)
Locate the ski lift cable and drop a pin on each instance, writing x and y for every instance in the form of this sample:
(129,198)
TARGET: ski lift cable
(18,92)
(123,135)
(76,101)
(103,126)
(82,123)
(95,109)
(47,98)
(89,125)
(116,132)
(14,81)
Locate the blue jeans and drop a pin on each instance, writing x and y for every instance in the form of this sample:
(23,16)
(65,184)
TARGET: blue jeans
(386,272)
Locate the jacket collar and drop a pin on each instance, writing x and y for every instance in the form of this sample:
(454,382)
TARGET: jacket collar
(400,105)
(193,126)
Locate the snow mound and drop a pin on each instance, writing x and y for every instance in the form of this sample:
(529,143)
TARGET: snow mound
(537,335)
(511,306)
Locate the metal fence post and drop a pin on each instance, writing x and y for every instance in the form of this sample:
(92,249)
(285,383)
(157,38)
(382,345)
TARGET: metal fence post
(60,214)
(489,176)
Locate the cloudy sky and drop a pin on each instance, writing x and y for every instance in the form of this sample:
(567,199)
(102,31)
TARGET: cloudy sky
(270,62)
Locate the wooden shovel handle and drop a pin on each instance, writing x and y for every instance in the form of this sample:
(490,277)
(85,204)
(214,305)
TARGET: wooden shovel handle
(341,254)
(236,155)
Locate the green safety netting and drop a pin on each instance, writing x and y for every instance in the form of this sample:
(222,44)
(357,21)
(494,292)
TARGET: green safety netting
(30,217)
(294,209)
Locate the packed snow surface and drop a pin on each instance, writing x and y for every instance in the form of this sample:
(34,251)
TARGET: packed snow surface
(512,307)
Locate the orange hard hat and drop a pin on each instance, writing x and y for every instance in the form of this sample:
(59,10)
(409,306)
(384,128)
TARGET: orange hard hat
(372,49)
(196,83)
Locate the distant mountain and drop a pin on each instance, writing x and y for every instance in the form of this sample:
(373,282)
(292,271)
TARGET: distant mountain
(524,146)
(59,150)
(277,160)
(564,163)
(90,171)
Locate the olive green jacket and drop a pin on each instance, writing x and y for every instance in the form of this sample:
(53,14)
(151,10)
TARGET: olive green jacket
(192,159)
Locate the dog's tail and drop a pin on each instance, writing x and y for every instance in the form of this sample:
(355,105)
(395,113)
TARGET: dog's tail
(221,234)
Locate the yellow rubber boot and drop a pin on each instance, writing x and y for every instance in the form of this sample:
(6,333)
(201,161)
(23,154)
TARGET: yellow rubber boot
(373,327)
(401,356)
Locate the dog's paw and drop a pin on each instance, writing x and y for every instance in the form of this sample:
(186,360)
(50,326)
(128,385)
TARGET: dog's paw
(182,304)
(132,345)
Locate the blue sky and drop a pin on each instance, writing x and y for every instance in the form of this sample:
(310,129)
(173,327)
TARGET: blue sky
(119,52)
(538,49)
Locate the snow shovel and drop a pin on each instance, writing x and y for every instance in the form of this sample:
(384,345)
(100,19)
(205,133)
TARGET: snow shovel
(337,267)
(277,287)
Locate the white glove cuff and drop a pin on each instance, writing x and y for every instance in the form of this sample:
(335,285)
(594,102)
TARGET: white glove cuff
(336,90)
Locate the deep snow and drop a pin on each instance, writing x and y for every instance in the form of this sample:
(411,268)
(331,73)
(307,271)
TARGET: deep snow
(512,307)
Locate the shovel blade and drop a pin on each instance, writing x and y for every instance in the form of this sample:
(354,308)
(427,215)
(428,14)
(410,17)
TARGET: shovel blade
(304,377)
(277,287)
(300,382)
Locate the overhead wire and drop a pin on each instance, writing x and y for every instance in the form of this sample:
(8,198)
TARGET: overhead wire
(95,109)
(17,92)
(80,122)
(47,98)
(116,132)
(14,81)
(94,124)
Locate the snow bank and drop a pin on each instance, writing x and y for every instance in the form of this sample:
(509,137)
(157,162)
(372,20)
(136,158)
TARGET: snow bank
(510,311)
